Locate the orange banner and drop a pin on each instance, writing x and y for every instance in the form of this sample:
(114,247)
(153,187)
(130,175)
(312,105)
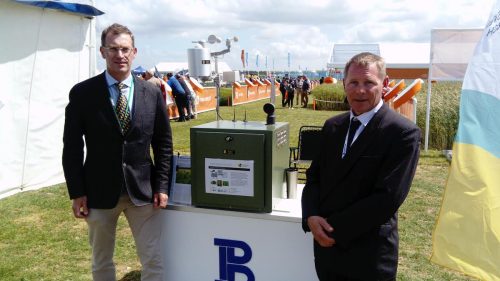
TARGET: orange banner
(239,94)
(205,101)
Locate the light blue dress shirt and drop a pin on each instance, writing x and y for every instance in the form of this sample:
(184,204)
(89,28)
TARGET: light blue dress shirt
(113,90)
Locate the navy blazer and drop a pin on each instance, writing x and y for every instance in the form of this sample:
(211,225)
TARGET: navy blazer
(112,159)
(360,194)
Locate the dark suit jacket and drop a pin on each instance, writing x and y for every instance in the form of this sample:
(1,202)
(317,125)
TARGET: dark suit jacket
(113,159)
(360,194)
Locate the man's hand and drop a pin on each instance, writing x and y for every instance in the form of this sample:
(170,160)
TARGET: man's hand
(160,200)
(80,209)
(321,229)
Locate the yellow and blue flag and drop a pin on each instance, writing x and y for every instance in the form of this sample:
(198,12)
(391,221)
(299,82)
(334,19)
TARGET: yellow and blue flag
(467,233)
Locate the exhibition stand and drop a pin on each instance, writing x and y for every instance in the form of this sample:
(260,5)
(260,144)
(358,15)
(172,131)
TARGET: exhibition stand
(212,244)
(231,215)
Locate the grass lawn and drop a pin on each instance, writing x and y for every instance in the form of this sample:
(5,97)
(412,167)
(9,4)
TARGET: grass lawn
(40,239)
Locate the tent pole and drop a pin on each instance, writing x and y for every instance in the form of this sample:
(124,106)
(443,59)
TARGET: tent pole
(428,113)
(428,103)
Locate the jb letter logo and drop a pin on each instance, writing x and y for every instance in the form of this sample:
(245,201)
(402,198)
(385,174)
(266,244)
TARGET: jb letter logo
(230,263)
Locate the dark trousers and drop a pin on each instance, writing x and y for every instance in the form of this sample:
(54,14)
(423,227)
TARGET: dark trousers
(283,98)
(325,273)
(181,103)
(289,100)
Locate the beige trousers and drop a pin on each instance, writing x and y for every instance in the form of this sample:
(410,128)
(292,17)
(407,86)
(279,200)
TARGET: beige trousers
(146,225)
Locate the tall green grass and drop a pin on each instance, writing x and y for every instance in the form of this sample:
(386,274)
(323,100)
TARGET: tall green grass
(443,122)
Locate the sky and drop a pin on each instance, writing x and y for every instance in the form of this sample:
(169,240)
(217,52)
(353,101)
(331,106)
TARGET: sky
(164,30)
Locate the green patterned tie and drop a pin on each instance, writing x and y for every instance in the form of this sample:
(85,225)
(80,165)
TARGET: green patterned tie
(122,110)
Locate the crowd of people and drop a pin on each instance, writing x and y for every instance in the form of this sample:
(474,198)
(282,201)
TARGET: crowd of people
(185,96)
(182,91)
(299,87)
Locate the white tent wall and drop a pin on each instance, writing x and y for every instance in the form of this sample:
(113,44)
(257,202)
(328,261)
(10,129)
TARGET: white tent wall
(450,52)
(43,54)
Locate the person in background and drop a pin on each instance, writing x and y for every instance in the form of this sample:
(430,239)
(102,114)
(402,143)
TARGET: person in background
(150,77)
(321,80)
(112,122)
(293,82)
(373,151)
(283,85)
(192,103)
(290,94)
(298,90)
(179,96)
(306,90)
(187,101)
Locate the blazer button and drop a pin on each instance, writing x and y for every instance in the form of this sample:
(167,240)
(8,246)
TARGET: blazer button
(124,142)
(124,165)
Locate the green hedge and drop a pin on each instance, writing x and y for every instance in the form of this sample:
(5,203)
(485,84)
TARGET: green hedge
(225,96)
(330,97)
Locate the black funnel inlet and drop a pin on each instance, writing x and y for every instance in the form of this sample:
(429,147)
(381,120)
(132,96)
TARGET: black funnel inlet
(269,110)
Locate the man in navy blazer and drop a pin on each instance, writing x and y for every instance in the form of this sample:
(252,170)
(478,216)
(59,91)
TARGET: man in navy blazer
(112,122)
(359,180)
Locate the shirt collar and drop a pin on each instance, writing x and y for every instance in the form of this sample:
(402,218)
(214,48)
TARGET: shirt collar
(112,81)
(367,116)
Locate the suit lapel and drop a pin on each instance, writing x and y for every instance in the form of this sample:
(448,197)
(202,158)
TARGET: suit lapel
(138,103)
(104,99)
(337,140)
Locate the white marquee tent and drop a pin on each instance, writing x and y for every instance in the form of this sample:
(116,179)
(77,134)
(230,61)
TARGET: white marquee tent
(47,47)
(451,50)
(174,67)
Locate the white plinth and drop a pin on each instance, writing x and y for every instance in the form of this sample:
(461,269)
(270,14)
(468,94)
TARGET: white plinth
(280,250)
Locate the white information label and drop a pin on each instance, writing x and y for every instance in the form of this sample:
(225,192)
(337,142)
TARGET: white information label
(229,177)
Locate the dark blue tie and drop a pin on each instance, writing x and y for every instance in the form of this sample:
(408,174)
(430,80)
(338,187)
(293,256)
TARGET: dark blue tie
(353,127)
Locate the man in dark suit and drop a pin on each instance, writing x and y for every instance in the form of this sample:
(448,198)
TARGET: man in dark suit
(118,118)
(359,180)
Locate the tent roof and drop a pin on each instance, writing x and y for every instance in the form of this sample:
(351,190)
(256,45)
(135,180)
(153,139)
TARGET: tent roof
(173,67)
(77,8)
(178,66)
(341,53)
(396,55)
(139,70)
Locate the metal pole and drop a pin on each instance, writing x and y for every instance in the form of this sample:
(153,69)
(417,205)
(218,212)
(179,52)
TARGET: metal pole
(273,90)
(217,88)
(415,109)
(428,103)
(427,114)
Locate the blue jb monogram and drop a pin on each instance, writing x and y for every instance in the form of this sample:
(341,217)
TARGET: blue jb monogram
(230,263)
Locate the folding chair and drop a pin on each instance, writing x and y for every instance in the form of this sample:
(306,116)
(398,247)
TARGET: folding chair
(306,150)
